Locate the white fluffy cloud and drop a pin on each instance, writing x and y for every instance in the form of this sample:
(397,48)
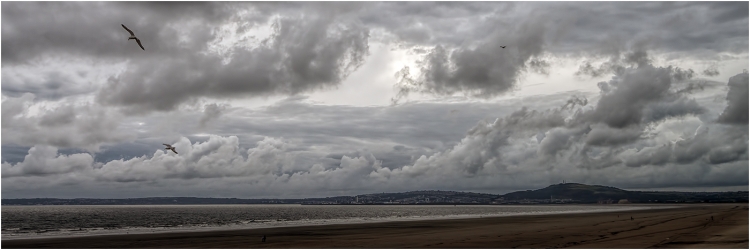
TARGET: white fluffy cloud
(44,160)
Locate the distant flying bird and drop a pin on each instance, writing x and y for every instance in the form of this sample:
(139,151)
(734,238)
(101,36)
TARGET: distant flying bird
(132,36)
(500,46)
(170,147)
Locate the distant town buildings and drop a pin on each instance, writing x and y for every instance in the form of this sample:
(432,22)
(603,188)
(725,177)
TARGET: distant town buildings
(414,197)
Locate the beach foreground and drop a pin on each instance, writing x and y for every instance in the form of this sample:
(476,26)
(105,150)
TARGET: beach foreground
(684,227)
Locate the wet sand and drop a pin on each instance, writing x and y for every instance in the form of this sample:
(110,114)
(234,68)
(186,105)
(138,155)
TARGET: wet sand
(685,227)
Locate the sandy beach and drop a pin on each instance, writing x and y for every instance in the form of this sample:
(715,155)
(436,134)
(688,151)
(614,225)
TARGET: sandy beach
(689,226)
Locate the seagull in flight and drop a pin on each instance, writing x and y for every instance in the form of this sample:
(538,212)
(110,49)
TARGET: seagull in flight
(170,147)
(500,46)
(132,36)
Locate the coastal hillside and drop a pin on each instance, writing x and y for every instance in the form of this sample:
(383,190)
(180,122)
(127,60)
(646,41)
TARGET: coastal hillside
(571,191)
(582,193)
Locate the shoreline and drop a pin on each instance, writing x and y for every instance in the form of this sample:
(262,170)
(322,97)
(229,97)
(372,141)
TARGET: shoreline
(685,226)
(323,222)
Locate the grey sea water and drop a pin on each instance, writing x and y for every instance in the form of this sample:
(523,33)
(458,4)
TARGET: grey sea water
(61,221)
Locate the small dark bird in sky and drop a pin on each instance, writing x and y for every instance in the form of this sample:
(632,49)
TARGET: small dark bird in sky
(132,36)
(502,47)
(170,147)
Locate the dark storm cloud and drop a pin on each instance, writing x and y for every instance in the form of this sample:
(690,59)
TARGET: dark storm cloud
(658,155)
(303,55)
(603,135)
(736,111)
(35,29)
(682,27)
(641,94)
(481,69)
(728,152)
(559,139)
(678,106)
(316,45)
(572,27)
(485,71)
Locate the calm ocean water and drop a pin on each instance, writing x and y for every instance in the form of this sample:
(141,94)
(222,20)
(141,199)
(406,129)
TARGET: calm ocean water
(55,221)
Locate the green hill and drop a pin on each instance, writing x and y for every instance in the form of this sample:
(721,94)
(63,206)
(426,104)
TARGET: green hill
(581,193)
(573,191)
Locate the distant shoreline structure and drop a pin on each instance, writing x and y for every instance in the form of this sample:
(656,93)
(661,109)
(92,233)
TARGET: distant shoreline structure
(567,193)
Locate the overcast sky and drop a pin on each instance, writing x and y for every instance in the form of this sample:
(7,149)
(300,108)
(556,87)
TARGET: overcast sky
(306,99)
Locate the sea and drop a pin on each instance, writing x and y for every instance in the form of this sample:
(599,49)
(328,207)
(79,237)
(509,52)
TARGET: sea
(21,222)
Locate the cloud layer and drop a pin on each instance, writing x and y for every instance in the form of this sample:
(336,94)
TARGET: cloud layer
(737,102)
(569,141)
(638,97)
